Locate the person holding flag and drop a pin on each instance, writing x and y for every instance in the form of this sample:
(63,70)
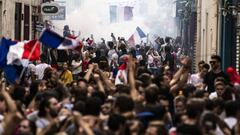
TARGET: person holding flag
(14,55)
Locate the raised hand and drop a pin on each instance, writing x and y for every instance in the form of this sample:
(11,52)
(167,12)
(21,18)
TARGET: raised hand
(96,77)
(186,61)
(112,35)
(91,66)
(131,63)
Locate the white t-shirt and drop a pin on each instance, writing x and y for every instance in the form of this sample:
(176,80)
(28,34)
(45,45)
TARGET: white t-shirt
(77,68)
(42,123)
(151,62)
(110,55)
(122,73)
(231,121)
(40,70)
(213,95)
(195,79)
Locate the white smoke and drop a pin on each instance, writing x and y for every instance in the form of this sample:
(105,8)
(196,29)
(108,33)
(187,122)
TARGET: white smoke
(92,17)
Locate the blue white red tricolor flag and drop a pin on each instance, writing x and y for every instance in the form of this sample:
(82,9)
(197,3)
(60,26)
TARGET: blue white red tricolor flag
(22,50)
(136,37)
(10,51)
(54,40)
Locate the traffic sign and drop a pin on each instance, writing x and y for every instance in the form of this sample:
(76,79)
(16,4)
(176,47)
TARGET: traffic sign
(49,8)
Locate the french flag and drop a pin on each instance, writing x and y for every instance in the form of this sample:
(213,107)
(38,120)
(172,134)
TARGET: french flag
(54,40)
(121,76)
(29,50)
(136,37)
(11,51)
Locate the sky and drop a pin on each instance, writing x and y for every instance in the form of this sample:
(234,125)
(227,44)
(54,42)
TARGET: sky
(154,17)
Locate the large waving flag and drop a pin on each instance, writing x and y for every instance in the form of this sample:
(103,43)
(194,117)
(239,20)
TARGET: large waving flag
(29,50)
(4,48)
(140,32)
(131,40)
(11,51)
(136,37)
(54,40)
(11,72)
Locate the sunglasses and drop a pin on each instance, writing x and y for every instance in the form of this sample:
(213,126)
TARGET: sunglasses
(213,62)
(106,107)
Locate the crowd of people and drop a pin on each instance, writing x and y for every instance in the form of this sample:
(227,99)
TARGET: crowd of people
(116,89)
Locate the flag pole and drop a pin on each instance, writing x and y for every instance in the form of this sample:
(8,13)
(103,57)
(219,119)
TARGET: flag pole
(30,55)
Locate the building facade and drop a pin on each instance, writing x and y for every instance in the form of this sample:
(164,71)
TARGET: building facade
(186,13)
(18,18)
(218,26)
(207,41)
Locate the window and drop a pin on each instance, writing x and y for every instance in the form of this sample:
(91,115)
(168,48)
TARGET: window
(1,16)
(26,22)
(18,21)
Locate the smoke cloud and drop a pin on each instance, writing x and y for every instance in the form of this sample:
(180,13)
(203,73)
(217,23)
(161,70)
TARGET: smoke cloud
(154,17)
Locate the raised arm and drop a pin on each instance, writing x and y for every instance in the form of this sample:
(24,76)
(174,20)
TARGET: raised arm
(113,39)
(92,38)
(82,124)
(13,117)
(134,93)
(99,83)
(89,72)
(109,85)
(180,83)
(82,53)
(9,101)
(181,76)
(10,122)
(176,76)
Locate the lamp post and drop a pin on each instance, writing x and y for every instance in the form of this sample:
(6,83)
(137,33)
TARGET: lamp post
(229,9)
